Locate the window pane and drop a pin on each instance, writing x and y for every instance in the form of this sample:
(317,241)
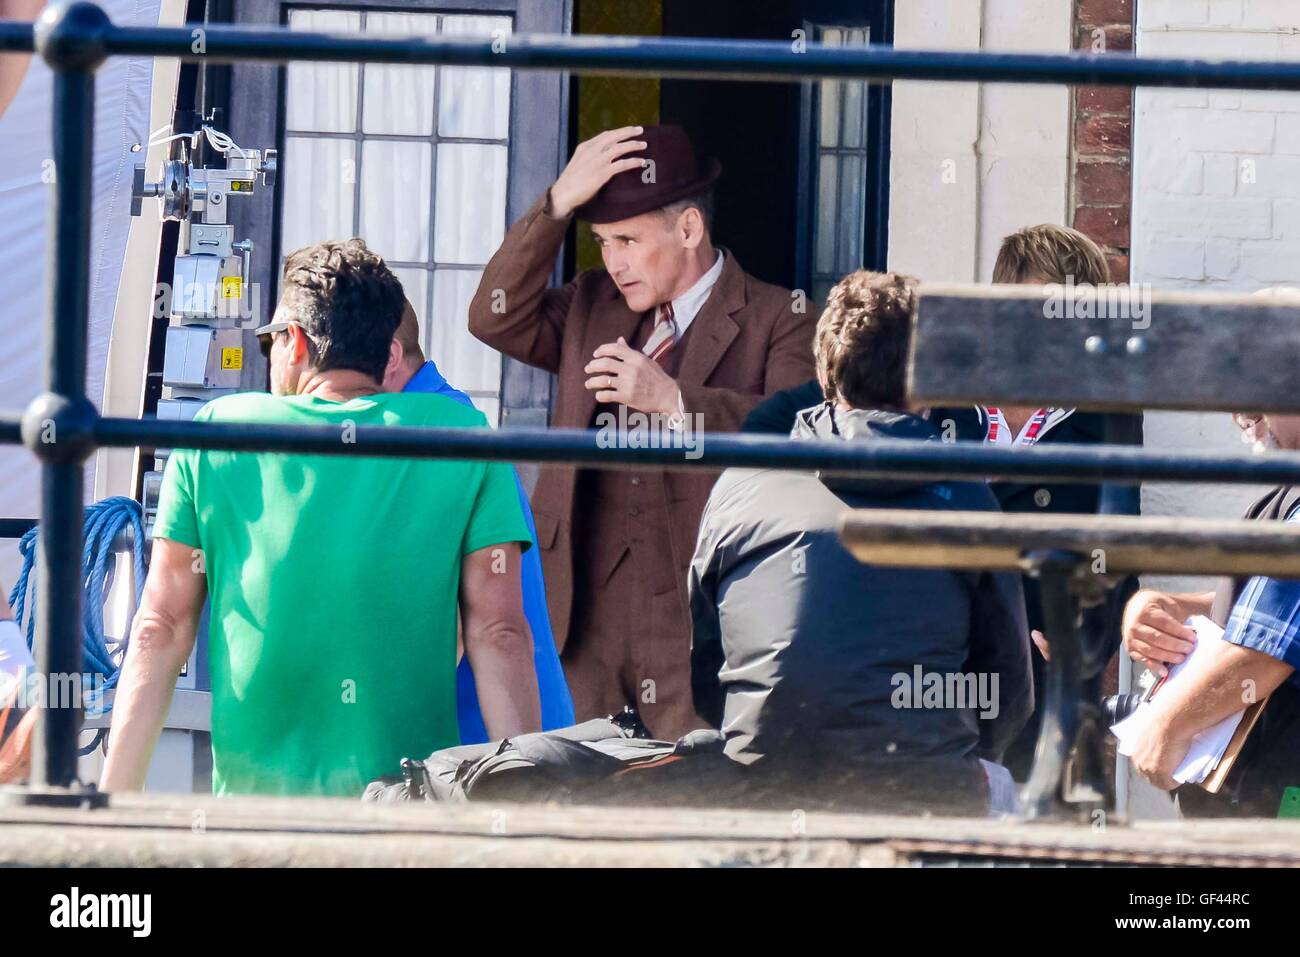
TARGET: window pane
(475,366)
(855,107)
(853,172)
(319,175)
(855,98)
(474,101)
(828,121)
(415,283)
(395,198)
(399,99)
(821,289)
(322,97)
(489,407)
(827,209)
(471,202)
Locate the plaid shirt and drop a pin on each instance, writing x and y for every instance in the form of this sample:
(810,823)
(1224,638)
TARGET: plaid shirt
(1267,618)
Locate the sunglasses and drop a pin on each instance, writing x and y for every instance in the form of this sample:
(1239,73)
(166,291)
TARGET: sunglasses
(266,334)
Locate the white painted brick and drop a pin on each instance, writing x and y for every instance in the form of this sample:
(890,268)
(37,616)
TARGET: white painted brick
(1211,43)
(1271,262)
(1174,259)
(1277,176)
(1215,130)
(1288,133)
(1153,100)
(1179,171)
(1228,218)
(1271,101)
(1225,101)
(1286,219)
(1158,14)
(1270,14)
(1222,258)
(1221,173)
(1224,13)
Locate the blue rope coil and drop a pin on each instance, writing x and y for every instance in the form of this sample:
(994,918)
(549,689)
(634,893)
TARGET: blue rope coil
(104,521)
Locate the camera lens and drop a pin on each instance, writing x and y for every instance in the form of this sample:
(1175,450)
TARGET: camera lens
(1117,707)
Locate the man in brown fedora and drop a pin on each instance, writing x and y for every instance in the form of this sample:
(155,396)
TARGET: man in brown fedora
(671,331)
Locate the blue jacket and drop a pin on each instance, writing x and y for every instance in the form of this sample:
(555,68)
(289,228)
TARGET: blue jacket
(557,705)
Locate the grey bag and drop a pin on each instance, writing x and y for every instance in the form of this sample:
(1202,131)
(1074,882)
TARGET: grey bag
(543,766)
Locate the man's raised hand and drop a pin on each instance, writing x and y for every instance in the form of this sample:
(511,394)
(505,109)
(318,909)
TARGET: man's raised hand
(593,164)
(620,373)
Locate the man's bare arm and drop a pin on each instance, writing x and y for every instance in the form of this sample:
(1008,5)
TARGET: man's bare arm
(498,640)
(1229,679)
(162,636)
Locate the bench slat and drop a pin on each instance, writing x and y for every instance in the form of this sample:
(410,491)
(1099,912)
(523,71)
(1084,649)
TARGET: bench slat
(1015,345)
(1123,544)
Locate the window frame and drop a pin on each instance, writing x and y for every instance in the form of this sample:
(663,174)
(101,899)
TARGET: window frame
(878,20)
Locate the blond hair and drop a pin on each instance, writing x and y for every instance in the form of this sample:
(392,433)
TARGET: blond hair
(1050,253)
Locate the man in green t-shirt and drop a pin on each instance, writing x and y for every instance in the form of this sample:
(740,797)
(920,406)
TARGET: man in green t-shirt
(334,580)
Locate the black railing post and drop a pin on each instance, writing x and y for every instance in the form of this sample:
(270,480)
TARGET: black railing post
(58,426)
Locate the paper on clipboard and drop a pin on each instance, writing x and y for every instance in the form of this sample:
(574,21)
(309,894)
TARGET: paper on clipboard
(1208,747)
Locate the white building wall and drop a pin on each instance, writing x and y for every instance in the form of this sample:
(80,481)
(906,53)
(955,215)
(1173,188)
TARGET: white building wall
(973,162)
(1216,195)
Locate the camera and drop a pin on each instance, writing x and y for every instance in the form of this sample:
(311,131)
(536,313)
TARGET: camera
(1117,707)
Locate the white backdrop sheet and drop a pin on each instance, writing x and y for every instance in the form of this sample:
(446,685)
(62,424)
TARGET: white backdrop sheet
(122,100)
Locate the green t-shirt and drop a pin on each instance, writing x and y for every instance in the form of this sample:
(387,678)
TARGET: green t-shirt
(333,584)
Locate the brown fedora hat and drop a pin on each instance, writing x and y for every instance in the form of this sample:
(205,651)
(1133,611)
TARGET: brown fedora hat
(676,174)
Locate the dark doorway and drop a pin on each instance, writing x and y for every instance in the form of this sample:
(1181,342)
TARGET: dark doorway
(800,203)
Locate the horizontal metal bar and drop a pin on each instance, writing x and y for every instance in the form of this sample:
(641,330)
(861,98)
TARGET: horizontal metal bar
(884,458)
(757,60)
(1110,544)
(17,36)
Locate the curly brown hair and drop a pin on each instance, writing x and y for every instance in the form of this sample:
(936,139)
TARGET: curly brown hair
(863,337)
(349,302)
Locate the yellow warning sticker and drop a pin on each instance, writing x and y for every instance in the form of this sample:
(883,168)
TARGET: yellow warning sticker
(232,287)
(232,357)
(239,186)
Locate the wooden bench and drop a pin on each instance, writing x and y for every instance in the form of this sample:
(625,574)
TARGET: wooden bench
(1109,349)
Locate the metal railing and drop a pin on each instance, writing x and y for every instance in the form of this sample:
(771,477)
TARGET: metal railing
(62,428)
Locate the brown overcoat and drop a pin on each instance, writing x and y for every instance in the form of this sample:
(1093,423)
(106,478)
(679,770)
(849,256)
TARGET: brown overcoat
(749,339)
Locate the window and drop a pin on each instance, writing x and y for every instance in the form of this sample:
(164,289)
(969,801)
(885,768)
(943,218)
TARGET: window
(414,160)
(840,138)
(843,212)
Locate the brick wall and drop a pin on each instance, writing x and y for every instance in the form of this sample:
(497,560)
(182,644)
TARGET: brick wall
(1219,187)
(1101,174)
(1216,177)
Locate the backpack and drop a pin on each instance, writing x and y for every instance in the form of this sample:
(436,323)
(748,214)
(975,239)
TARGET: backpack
(542,766)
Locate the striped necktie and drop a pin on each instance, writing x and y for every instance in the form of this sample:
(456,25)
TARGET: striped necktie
(664,335)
